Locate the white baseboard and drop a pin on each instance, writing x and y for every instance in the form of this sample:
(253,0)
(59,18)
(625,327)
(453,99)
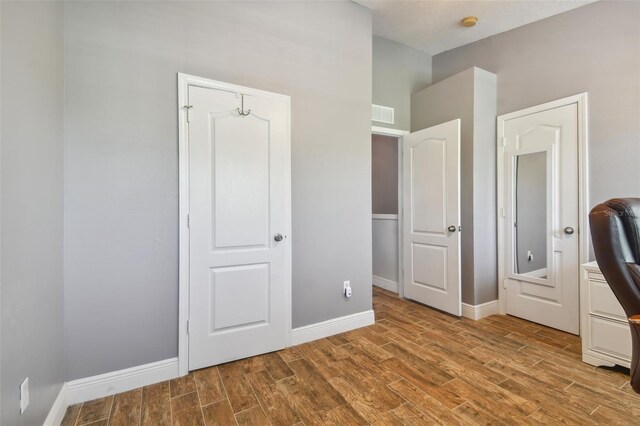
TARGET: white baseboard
(330,327)
(121,381)
(58,409)
(483,310)
(385,283)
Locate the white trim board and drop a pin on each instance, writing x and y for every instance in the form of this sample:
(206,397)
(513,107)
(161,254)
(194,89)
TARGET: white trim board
(330,327)
(483,310)
(385,284)
(94,387)
(58,409)
(376,216)
(387,131)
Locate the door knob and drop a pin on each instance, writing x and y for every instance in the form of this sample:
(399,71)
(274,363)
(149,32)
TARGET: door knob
(568,230)
(278,237)
(452,228)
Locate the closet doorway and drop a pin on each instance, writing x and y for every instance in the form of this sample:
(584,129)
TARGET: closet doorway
(386,201)
(416,215)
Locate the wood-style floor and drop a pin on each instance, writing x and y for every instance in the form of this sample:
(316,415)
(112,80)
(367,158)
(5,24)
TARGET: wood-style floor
(414,366)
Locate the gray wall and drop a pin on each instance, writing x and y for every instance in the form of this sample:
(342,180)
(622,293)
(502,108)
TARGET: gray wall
(384,173)
(398,71)
(595,49)
(121,179)
(385,249)
(31,83)
(469,96)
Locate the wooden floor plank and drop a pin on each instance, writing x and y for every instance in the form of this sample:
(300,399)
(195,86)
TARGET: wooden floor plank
(472,415)
(209,385)
(277,368)
(71,415)
(415,366)
(238,390)
(253,417)
(274,404)
(92,411)
(219,414)
(127,408)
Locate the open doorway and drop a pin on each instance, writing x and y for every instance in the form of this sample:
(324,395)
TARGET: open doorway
(386,184)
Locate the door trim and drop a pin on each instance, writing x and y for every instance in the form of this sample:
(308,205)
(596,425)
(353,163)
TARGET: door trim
(386,131)
(184,81)
(584,235)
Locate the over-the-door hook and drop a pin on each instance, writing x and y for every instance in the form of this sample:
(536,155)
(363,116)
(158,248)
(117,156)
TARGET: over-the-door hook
(241,110)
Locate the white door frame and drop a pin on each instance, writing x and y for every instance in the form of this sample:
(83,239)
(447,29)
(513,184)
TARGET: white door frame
(584,236)
(184,81)
(396,133)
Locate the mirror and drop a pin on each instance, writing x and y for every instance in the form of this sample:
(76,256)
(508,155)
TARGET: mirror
(530,229)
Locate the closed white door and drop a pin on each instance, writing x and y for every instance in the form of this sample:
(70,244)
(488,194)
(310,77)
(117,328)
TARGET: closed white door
(431,216)
(239,293)
(541,216)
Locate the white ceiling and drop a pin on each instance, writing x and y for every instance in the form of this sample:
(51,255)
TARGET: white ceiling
(433,26)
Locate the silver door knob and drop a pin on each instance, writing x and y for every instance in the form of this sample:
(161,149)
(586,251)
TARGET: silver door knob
(452,228)
(278,237)
(568,230)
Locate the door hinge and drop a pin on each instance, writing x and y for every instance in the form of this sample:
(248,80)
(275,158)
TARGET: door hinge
(188,326)
(503,142)
(502,212)
(188,108)
(188,221)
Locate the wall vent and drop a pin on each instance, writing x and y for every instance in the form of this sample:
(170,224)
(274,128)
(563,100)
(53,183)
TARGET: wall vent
(382,114)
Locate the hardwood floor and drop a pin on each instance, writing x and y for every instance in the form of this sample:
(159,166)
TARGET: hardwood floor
(414,366)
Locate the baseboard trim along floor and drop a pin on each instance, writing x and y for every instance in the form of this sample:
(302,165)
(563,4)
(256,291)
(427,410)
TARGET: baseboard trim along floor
(330,327)
(483,310)
(121,381)
(385,283)
(59,407)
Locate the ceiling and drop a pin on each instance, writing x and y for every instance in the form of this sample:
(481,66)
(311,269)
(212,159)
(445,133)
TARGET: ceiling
(433,26)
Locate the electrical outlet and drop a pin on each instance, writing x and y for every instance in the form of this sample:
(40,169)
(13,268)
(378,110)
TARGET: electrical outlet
(24,395)
(529,256)
(346,289)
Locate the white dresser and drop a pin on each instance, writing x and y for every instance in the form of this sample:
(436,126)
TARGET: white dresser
(605,332)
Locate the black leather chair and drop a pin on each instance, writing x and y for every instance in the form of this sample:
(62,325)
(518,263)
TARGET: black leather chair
(615,232)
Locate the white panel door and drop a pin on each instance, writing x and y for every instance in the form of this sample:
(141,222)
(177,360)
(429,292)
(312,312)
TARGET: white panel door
(431,216)
(542,245)
(239,296)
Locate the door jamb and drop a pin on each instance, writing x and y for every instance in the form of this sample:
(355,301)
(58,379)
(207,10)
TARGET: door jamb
(184,81)
(584,236)
(385,131)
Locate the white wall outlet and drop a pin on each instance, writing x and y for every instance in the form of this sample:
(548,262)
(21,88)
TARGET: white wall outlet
(346,289)
(24,395)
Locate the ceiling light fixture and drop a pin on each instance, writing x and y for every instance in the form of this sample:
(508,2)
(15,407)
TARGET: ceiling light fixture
(469,21)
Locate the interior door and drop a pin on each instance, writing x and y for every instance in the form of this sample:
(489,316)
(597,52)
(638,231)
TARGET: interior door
(239,293)
(542,247)
(431,216)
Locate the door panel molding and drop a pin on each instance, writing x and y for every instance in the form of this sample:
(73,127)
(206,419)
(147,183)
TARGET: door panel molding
(581,101)
(184,82)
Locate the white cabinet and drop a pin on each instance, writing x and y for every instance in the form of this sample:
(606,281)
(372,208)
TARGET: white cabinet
(605,332)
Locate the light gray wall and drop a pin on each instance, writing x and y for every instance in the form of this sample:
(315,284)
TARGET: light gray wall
(467,96)
(398,71)
(485,217)
(121,179)
(385,249)
(595,49)
(384,182)
(31,82)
